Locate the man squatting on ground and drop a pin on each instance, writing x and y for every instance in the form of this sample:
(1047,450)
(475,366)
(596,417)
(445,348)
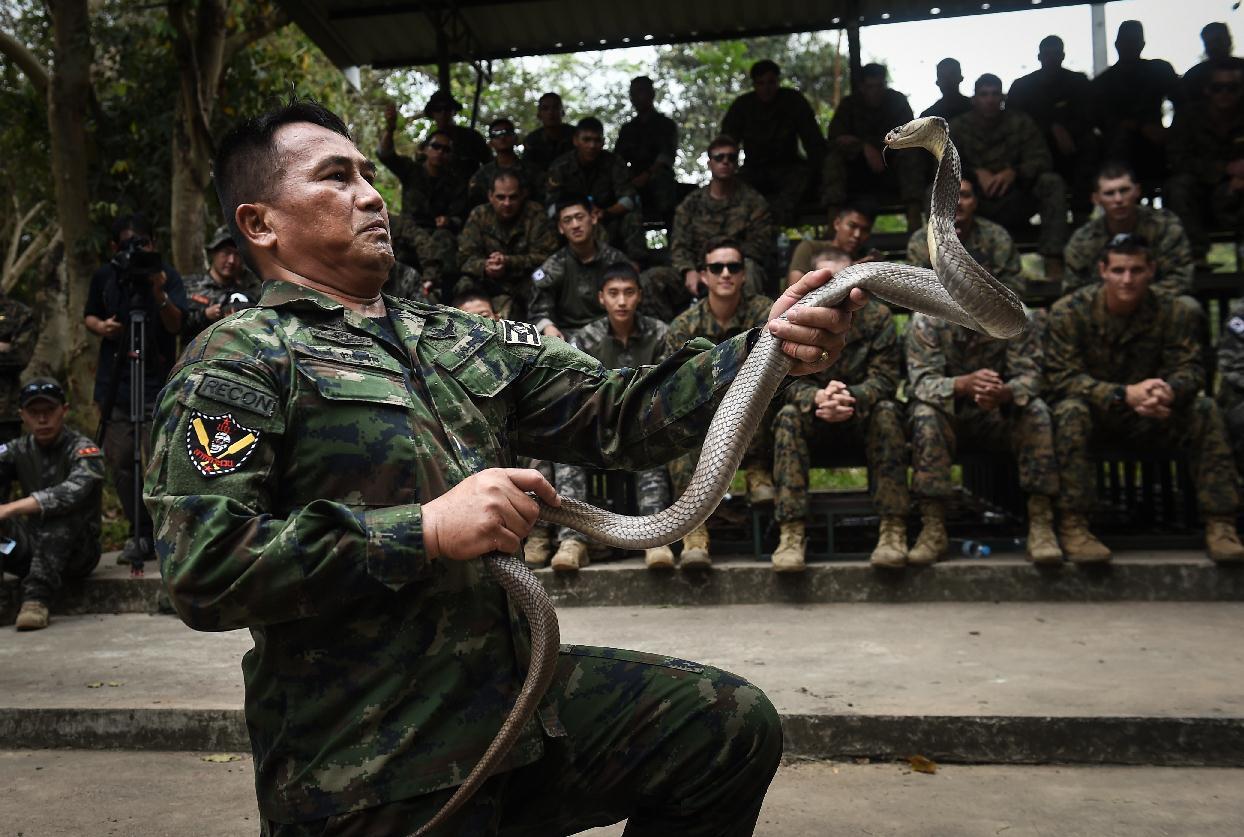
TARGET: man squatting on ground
(335,508)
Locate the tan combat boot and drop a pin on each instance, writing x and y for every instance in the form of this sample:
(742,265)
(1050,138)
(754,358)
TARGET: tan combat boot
(1080,544)
(932,542)
(1042,544)
(788,557)
(536,550)
(891,548)
(659,558)
(571,555)
(32,617)
(1222,542)
(695,550)
(759,486)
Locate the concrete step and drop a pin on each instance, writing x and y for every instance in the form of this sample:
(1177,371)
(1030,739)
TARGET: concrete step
(1173,576)
(1122,683)
(67,793)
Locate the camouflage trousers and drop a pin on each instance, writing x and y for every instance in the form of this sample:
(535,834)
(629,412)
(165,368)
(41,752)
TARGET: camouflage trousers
(846,175)
(1231,406)
(652,492)
(1047,195)
(782,185)
(48,553)
(547,470)
(674,748)
(1197,428)
(1026,432)
(438,258)
(880,433)
(665,293)
(759,455)
(1201,206)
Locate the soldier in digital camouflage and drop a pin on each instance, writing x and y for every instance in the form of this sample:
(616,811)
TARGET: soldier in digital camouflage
(329,467)
(54,528)
(1124,362)
(17,344)
(226,288)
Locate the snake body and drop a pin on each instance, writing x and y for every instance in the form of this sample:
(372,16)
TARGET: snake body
(958,289)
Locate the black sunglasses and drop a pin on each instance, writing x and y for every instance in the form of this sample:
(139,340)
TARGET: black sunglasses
(31,390)
(440,146)
(501,132)
(716,268)
(724,157)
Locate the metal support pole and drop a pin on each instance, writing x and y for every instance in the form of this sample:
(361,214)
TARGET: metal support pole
(853,49)
(1100,62)
(442,51)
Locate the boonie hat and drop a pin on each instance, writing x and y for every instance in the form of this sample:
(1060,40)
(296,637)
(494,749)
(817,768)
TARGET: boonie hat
(442,99)
(47,389)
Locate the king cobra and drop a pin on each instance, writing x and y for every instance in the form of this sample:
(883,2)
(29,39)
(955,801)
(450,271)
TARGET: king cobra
(957,289)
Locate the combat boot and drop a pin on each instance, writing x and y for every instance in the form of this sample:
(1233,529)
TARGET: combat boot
(788,557)
(659,558)
(1222,542)
(536,550)
(32,617)
(759,486)
(1081,546)
(1042,543)
(932,542)
(695,550)
(891,548)
(571,556)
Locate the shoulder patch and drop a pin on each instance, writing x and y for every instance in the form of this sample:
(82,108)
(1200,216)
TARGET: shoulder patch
(89,450)
(218,445)
(239,395)
(4,448)
(1236,324)
(524,334)
(538,275)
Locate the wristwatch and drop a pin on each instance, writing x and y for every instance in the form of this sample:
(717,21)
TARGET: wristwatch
(1119,396)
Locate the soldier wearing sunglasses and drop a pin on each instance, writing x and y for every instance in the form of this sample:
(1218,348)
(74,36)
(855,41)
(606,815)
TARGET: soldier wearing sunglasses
(501,139)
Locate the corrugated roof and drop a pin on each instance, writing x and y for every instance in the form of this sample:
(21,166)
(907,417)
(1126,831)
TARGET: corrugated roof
(388,33)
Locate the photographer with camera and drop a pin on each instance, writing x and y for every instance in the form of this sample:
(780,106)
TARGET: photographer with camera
(225,289)
(136,303)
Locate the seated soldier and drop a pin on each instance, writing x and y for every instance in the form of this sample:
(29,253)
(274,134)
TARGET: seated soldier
(474,301)
(53,531)
(565,289)
(1117,194)
(725,312)
(965,386)
(988,242)
(552,139)
(502,242)
(855,164)
(953,103)
(649,144)
(227,286)
(1206,187)
(622,339)
(1216,38)
(770,123)
(852,226)
(1014,169)
(1124,363)
(501,139)
(601,175)
(850,403)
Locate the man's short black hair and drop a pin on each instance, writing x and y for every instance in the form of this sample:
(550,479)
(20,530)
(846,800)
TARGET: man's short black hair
(469,293)
(861,206)
(501,120)
(763,67)
(948,64)
(870,71)
(1112,170)
(644,81)
(720,242)
(589,123)
(987,80)
(619,270)
(135,222)
(1126,244)
(246,168)
(572,199)
(722,141)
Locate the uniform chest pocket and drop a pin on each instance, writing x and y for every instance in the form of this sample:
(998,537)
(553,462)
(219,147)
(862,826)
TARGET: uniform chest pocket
(351,375)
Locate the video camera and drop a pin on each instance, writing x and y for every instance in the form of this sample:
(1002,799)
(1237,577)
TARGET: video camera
(135,264)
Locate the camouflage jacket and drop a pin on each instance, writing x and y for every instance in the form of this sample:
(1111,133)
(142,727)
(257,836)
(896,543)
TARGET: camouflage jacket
(540,151)
(528,176)
(1201,146)
(989,243)
(770,133)
(1012,140)
(292,450)
(645,347)
(1231,354)
(938,352)
(17,328)
(869,125)
(605,181)
(700,217)
(1089,352)
(565,290)
(1166,235)
(203,291)
(526,241)
(868,365)
(647,139)
(425,197)
(698,321)
(66,478)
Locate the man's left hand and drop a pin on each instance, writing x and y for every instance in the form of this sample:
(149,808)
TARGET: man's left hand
(814,337)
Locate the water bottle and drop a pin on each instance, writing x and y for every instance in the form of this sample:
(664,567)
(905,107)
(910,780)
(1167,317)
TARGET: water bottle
(973,549)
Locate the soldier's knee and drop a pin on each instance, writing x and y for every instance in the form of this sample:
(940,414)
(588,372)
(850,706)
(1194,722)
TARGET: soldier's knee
(1071,411)
(1037,410)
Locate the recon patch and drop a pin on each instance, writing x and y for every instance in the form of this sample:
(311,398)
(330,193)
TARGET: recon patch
(524,334)
(218,445)
(239,395)
(345,338)
(1236,324)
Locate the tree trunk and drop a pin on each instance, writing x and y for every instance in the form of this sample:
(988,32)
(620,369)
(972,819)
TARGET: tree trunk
(54,324)
(190,177)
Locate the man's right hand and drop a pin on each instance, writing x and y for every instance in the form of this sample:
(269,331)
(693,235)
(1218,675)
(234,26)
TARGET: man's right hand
(111,328)
(834,403)
(692,280)
(487,512)
(1151,398)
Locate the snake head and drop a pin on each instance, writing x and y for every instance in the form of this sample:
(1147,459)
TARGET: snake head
(927,132)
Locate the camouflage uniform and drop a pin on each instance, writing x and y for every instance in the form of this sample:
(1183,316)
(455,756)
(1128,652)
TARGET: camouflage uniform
(539,150)
(698,321)
(938,352)
(607,183)
(17,328)
(404,282)
(565,290)
(645,347)
(294,446)
(1166,238)
(869,367)
(846,174)
(61,543)
(770,135)
(1199,190)
(1231,380)
(527,241)
(529,177)
(203,291)
(989,244)
(651,138)
(1013,140)
(424,198)
(1093,354)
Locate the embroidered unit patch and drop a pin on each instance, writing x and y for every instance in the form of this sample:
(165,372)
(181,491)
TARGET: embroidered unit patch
(524,334)
(1236,324)
(90,450)
(218,445)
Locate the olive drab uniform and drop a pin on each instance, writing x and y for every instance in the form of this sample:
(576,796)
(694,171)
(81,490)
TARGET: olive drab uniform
(937,352)
(424,198)
(526,240)
(869,366)
(294,446)
(17,329)
(1168,244)
(987,242)
(1092,355)
(203,291)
